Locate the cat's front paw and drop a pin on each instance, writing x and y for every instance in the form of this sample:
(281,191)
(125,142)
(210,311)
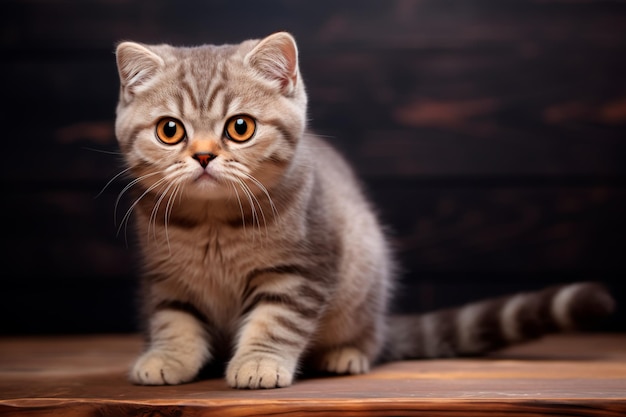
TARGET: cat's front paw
(161,368)
(345,360)
(258,372)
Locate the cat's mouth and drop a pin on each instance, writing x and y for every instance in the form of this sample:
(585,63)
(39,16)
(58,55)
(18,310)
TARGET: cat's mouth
(205,178)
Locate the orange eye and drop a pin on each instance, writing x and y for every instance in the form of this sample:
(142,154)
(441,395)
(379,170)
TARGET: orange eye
(170,131)
(240,128)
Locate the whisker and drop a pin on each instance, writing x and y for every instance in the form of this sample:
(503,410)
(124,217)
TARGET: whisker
(155,210)
(171,176)
(124,171)
(256,200)
(265,191)
(168,210)
(87,148)
(126,188)
(243,215)
(132,207)
(248,193)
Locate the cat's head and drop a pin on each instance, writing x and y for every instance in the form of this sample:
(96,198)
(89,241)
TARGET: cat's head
(205,119)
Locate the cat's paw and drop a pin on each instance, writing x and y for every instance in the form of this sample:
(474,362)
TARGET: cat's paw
(258,372)
(345,360)
(161,368)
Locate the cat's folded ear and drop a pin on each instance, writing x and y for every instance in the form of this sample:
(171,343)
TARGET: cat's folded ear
(275,58)
(136,65)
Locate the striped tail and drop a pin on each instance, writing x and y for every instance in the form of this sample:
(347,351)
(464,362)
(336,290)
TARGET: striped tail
(491,324)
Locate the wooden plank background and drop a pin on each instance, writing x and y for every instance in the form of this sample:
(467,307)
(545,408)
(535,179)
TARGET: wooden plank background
(491,134)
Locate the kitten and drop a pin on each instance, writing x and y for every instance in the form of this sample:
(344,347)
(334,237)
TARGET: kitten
(257,240)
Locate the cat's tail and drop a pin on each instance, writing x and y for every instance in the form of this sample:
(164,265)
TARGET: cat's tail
(491,324)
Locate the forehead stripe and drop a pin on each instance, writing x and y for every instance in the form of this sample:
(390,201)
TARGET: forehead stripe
(189,91)
(219,87)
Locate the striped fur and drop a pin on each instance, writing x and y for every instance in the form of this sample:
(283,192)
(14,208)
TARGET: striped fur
(487,325)
(269,253)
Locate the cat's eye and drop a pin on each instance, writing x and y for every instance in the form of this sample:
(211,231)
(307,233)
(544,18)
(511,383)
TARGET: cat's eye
(240,128)
(170,131)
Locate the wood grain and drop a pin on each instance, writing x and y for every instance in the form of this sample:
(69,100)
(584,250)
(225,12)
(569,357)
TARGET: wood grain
(560,375)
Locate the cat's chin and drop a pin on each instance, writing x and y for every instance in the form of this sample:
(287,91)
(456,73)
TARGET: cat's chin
(205,179)
(207,187)
(206,182)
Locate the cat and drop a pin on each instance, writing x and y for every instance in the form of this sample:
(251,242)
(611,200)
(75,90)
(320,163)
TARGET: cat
(258,243)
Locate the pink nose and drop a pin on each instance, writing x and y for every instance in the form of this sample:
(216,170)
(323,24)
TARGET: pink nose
(204,158)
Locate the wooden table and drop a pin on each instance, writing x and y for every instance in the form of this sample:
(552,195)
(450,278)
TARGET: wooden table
(582,375)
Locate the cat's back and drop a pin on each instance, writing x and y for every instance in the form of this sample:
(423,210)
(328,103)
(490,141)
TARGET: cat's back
(363,244)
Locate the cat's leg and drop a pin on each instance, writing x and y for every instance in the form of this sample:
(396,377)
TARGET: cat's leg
(178,348)
(348,346)
(346,355)
(274,335)
(344,360)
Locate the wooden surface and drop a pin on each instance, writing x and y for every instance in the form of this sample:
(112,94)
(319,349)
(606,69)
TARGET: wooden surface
(490,134)
(582,375)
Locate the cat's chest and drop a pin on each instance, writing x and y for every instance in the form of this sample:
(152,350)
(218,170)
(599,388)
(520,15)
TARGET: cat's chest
(210,254)
(209,264)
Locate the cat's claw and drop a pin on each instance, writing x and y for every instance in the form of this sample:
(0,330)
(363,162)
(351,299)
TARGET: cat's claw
(159,368)
(346,360)
(258,372)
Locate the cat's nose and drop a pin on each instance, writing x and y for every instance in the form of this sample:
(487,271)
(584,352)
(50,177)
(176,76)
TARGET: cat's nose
(204,158)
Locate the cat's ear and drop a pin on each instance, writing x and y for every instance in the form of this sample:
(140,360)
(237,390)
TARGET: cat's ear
(275,58)
(136,65)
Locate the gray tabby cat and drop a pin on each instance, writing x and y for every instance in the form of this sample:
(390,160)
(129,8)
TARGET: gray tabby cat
(258,243)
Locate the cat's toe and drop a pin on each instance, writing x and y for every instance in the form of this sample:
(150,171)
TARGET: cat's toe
(345,360)
(160,368)
(258,372)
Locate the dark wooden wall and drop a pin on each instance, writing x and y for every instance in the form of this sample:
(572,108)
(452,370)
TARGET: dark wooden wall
(492,135)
